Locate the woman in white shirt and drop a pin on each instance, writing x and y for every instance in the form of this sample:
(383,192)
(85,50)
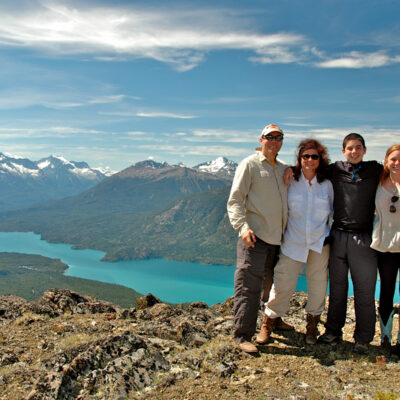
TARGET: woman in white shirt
(386,239)
(310,201)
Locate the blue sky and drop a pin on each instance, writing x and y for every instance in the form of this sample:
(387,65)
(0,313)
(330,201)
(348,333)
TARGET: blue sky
(116,82)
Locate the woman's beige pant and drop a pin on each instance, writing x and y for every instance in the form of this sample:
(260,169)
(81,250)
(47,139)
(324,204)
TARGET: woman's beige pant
(285,279)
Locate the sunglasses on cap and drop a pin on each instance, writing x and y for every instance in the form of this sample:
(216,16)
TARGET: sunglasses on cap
(308,156)
(270,138)
(392,207)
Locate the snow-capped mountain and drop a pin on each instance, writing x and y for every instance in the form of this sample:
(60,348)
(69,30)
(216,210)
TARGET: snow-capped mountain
(24,182)
(24,167)
(221,167)
(150,164)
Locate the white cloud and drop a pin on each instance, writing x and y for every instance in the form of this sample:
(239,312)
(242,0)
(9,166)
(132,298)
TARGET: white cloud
(137,136)
(299,124)
(356,59)
(137,133)
(225,135)
(163,115)
(204,151)
(277,54)
(149,114)
(45,132)
(21,98)
(232,100)
(201,144)
(115,98)
(180,38)
(394,99)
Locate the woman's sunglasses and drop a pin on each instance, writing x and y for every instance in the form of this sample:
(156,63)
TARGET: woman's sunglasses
(308,156)
(392,207)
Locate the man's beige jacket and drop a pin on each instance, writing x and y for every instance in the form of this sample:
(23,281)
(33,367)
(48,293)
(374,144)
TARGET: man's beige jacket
(258,199)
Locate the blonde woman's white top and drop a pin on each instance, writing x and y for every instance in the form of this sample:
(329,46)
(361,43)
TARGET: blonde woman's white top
(386,233)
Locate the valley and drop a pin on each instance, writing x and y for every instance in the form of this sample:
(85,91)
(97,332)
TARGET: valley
(149,210)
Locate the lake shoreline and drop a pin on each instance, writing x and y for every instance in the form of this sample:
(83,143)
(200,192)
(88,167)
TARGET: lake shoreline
(171,280)
(110,258)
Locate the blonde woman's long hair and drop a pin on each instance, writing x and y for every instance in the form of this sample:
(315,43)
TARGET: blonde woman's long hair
(385,172)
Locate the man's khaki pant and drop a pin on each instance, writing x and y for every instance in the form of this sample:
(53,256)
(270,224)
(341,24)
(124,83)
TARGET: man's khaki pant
(286,274)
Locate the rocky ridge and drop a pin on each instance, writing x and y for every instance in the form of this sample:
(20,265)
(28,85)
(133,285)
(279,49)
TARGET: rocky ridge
(70,346)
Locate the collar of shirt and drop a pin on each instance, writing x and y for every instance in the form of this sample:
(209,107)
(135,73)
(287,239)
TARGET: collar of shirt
(348,166)
(305,180)
(263,158)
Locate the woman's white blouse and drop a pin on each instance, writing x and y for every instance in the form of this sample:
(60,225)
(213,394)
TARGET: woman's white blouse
(386,233)
(309,209)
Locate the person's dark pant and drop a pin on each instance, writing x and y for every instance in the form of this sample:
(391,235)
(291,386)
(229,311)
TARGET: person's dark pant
(253,265)
(352,251)
(388,265)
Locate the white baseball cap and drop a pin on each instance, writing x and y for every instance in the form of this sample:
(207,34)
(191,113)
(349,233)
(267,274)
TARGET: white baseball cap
(271,128)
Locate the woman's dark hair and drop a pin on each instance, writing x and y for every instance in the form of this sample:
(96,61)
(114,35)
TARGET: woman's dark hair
(307,144)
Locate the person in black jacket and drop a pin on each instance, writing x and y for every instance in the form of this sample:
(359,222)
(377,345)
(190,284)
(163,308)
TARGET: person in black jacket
(354,183)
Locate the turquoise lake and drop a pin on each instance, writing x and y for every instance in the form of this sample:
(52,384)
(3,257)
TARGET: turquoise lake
(171,281)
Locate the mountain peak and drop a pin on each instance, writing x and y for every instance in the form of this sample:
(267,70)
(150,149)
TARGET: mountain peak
(61,159)
(13,156)
(221,166)
(151,164)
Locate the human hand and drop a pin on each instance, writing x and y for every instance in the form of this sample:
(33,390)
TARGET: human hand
(249,238)
(288,176)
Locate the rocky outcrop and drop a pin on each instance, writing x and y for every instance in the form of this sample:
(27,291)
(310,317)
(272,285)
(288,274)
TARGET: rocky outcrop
(147,301)
(103,362)
(69,346)
(53,303)
(60,301)
(114,366)
(11,307)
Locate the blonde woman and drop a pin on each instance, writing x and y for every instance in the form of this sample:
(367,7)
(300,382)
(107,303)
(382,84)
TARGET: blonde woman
(386,240)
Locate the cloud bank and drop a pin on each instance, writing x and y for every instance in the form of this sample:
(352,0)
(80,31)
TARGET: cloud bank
(178,37)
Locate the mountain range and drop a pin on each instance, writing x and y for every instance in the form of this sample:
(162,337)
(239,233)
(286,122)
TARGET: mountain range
(145,186)
(148,210)
(24,182)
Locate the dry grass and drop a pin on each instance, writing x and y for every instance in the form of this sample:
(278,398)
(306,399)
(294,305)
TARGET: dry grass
(76,339)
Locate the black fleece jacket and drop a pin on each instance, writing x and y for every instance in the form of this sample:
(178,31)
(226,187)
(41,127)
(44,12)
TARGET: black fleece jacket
(354,187)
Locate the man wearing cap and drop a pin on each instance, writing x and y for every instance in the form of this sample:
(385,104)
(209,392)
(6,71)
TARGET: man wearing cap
(257,209)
